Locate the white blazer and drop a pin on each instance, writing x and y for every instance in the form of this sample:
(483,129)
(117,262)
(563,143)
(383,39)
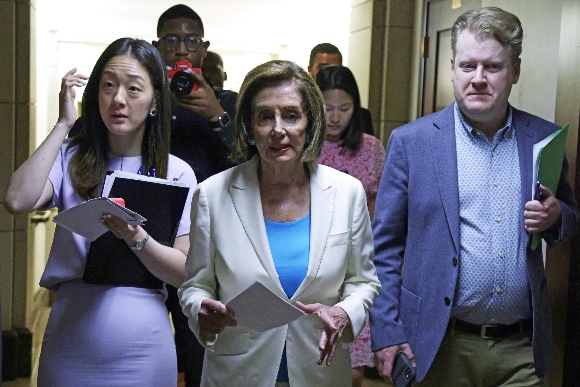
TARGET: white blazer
(229,242)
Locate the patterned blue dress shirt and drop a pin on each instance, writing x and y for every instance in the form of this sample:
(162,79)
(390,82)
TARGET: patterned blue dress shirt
(493,285)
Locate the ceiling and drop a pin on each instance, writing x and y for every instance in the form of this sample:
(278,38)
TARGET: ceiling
(287,27)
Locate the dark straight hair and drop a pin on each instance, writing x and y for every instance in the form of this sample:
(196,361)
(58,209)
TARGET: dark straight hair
(340,77)
(88,166)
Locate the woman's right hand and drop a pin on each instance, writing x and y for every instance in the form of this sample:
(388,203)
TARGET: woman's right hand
(67,113)
(29,187)
(213,317)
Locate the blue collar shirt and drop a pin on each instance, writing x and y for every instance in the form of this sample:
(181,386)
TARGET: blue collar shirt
(493,285)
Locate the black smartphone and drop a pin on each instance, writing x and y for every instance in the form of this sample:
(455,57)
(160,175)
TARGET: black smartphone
(403,372)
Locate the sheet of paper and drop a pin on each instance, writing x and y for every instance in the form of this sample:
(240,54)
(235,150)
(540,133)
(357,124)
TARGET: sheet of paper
(85,219)
(259,308)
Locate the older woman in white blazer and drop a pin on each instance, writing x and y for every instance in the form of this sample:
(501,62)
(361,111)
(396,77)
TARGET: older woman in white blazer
(301,229)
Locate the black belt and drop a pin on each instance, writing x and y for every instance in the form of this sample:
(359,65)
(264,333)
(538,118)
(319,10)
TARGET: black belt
(491,331)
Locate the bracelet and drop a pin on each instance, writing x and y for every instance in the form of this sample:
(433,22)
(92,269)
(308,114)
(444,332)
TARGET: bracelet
(139,245)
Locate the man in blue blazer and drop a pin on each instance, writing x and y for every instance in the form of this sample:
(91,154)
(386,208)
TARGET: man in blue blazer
(470,306)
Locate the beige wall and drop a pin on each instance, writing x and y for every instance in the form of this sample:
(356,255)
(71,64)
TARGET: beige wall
(16,119)
(7,108)
(536,91)
(359,45)
(568,85)
(380,56)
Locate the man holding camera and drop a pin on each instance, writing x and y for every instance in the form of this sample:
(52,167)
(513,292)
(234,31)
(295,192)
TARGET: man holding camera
(202,133)
(202,123)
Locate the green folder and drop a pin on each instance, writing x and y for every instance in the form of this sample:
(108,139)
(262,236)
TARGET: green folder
(548,160)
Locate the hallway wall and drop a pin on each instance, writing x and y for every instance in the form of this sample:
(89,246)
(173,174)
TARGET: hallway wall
(17,104)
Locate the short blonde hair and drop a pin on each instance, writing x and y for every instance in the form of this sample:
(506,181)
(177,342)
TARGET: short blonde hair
(491,22)
(274,73)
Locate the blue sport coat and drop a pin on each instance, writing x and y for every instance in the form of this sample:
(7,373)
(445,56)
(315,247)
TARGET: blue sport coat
(416,222)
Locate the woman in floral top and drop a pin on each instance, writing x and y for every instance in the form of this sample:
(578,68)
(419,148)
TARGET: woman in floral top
(361,155)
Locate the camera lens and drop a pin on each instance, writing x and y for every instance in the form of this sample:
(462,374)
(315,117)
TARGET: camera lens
(182,83)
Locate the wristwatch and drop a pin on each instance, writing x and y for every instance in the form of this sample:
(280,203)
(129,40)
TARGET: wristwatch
(138,246)
(222,121)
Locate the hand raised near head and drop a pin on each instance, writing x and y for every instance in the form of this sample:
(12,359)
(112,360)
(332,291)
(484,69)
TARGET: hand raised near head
(67,113)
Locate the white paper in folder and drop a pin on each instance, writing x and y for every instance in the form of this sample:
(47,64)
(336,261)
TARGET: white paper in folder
(85,218)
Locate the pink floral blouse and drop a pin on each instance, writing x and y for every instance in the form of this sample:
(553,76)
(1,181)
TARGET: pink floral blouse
(366,163)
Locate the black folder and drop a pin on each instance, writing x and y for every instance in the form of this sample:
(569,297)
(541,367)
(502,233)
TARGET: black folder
(110,261)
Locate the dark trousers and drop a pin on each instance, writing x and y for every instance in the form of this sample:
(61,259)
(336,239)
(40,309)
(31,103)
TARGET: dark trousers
(189,351)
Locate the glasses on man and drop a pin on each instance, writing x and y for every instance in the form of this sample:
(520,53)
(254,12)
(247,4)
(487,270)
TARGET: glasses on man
(172,42)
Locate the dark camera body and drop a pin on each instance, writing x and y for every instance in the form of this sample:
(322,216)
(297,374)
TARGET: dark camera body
(182,81)
(403,372)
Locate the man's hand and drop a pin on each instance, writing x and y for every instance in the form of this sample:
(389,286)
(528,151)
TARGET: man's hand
(541,215)
(385,357)
(203,100)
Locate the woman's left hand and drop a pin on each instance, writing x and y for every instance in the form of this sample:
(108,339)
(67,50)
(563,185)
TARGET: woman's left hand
(165,262)
(121,229)
(334,320)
